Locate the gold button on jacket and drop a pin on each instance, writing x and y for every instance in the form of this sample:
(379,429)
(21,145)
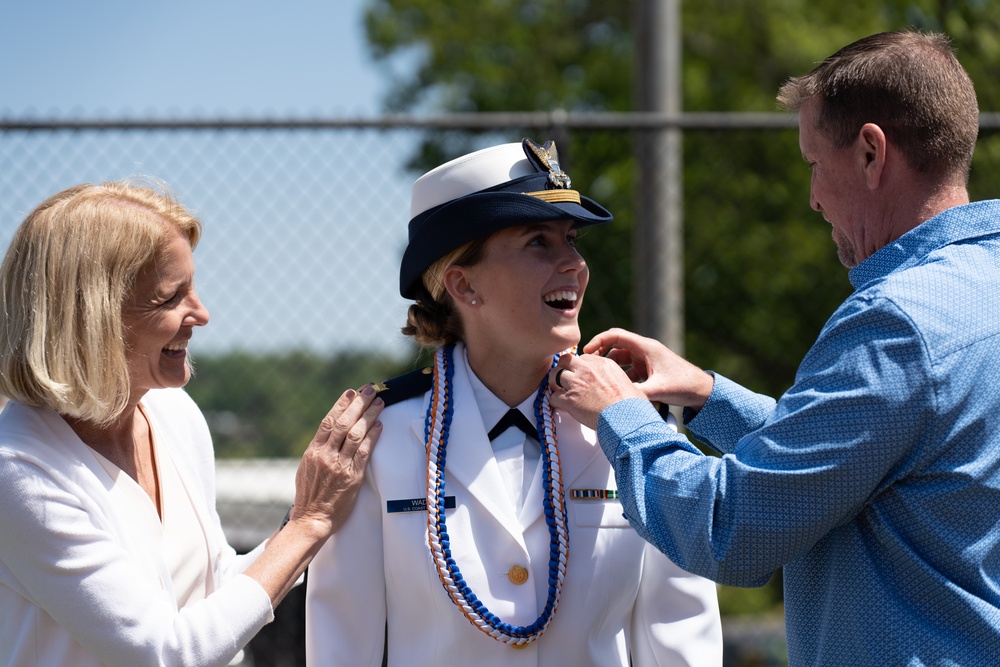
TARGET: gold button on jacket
(518,574)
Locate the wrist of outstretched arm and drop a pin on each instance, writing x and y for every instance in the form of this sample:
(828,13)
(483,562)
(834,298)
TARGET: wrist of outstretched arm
(730,412)
(699,399)
(310,528)
(619,419)
(702,392)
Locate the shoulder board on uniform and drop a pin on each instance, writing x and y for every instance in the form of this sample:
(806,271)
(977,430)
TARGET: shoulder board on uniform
(408,385)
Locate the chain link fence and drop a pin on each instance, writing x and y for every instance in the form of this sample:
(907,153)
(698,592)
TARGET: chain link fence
(305,224)
(303,229)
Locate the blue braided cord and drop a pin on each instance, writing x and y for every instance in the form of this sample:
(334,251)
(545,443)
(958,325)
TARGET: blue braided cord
(459,583)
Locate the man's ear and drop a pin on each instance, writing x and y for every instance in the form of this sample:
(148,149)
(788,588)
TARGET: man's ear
(872,146)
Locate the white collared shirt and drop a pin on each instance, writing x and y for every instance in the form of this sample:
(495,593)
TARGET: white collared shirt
(517,455)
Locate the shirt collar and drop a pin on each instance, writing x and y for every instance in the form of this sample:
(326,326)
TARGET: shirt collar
(491,408)
(954,225)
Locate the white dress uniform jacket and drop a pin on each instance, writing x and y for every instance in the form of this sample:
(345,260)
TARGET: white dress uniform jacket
(620,598)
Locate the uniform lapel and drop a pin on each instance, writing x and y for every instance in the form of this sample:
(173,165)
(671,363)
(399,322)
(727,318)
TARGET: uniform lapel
(577,448)
(470,462)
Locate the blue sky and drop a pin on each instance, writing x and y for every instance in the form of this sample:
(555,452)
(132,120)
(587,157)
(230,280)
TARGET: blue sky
(187,57)
(208,59)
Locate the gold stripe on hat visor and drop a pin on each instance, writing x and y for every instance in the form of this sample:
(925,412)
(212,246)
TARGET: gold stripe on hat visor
(556,196)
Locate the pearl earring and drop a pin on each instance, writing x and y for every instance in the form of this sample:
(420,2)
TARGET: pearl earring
(473,302)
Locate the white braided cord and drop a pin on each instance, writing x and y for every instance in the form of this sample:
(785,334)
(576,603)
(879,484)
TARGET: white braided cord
(437,424)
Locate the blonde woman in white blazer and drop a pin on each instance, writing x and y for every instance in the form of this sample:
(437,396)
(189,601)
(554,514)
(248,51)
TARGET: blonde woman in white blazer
(471,544)
(111,549)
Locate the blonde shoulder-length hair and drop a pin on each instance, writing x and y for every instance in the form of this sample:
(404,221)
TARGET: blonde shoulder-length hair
(63,284)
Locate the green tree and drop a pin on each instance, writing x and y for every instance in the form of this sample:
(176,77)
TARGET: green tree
(270,405)
(762,276)
(761,272)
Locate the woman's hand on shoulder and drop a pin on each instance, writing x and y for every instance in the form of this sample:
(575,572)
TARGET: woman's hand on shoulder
(333,466)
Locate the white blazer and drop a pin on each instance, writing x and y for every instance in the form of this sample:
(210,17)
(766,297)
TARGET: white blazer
(79,587)
(621,597)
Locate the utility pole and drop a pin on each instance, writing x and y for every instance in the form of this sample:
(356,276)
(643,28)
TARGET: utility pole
(659,225)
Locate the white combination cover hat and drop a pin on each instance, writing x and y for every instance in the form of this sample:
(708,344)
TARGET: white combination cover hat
(483,192)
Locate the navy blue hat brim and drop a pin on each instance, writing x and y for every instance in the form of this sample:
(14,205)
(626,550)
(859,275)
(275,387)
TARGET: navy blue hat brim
(438,231)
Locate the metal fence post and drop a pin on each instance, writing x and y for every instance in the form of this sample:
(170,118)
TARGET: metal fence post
(659,231)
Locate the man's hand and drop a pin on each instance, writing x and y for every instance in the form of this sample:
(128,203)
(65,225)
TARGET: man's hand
(662,375)
(587,384)
(618,364)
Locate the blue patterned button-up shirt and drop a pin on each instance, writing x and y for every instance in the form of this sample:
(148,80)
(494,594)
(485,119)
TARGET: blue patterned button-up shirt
(874,481)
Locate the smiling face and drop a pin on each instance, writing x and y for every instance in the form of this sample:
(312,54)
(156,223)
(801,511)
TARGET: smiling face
(159,318)
(836,188)
(528,290)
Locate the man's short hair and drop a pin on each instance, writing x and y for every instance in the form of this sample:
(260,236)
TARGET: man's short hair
(908,83)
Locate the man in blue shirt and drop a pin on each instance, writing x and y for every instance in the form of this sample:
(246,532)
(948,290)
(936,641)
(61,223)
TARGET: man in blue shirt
(875,480)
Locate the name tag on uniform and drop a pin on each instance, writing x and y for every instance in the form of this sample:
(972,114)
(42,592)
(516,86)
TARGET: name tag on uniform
(415,505)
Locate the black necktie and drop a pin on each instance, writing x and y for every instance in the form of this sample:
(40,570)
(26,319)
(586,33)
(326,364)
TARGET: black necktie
(515,418)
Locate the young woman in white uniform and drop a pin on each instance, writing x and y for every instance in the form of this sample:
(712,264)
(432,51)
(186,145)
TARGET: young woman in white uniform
(503,548)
